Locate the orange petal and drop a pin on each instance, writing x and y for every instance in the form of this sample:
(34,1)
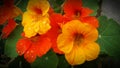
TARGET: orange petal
(91,50)
(91,34)
(70,6)
(76,56)
(31,54)
(85,12)
(65,43)
(22,46)
(44,45)
(91,20)
(8,28)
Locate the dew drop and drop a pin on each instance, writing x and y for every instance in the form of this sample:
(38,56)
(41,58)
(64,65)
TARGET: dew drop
(46,58)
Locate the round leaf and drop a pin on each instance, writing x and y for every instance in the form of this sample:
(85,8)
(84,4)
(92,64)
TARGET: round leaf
(10,45)
(109,36)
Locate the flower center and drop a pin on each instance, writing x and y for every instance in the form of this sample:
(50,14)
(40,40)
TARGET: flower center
(37,10)
(76,14)
(78,38)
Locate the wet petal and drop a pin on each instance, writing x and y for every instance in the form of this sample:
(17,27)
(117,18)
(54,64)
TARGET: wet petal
(31,54)
(35,24)
(22,46)
(44,45)
(29,30)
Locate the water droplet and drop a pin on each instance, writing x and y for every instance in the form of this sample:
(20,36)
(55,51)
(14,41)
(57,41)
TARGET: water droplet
(99,36)
(46,58)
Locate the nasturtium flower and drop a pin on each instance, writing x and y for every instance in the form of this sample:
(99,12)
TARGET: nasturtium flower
(73,9)
(36,18)
(33,47)
(77,41)
(8,11)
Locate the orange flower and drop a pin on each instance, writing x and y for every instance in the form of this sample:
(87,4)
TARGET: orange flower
(73,10)
(53,33)
(77,41)
(8,28)
(33,47)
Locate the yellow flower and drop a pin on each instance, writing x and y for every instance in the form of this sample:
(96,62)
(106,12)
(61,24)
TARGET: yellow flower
(38,6)
(34,24)
(36,18)
(77,41)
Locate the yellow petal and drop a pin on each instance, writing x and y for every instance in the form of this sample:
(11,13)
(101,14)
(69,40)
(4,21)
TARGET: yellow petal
(27,18)
(65,43)
(44,25)
(37,23)
(76,56)
(29,30)
(91,51)
(38,6)
(91,33)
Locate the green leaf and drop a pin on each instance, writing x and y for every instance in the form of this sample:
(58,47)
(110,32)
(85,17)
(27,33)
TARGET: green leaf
(10,45)
(56,5)
(49,60)
(62,62)
(22,4)
(109,36)
(92,4)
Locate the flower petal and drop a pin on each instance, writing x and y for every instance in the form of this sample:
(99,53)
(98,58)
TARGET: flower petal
(29,30)
(90,20)
(34,24)
(31,54)
(70,6)
(91,34)
(85,12)
(22,46)
(44,45)
(65,43)
(91,51)
(76,56)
